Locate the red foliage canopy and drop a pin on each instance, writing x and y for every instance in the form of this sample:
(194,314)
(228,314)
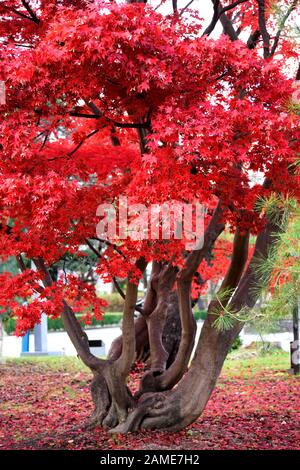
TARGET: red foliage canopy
(83,81)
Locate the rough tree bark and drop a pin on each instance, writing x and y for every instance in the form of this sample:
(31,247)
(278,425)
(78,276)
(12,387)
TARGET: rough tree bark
(170,337)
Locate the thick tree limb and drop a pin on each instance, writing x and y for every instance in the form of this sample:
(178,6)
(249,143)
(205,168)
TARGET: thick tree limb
(32,14)
(238,261)
(156,320)
(263,27)
(152,381)
(186,7)
(124,362)
(248,288)
(188,326)
(219,12)
(141,329)
(141,339)
(214,20)
(253,39)
(226,23)
(215,228)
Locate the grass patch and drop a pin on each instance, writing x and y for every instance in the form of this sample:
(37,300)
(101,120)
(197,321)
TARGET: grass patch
(57,363)
(238,364)
(242,363)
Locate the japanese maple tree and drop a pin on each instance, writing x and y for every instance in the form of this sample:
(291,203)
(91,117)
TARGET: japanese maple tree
(107,100)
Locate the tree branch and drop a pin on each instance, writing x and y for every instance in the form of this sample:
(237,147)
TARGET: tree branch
(214,19)
(298,74)
(21,263)
(253,39)
(228,27)
(215,228)
(248,288)
(118,287)
(122,125)
(232,5)
(185,8)
(32,14)
(263,27)
(108,243)
(219,13)
(124,362)
(18,13)
(238,260)
(188,332)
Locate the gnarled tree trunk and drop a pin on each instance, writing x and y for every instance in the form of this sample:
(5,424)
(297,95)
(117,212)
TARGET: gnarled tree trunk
(158,404)
(174,409)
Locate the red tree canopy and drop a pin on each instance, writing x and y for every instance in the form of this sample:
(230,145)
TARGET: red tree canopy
(84,81)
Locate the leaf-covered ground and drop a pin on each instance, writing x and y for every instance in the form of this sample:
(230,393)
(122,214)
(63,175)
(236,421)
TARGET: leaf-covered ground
(44,405)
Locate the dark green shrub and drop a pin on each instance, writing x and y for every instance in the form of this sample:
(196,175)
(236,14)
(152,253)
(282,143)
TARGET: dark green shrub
(9,325)
(236,344)
(55,324)
(200,314)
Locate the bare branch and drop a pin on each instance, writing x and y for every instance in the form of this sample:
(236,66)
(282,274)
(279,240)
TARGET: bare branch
(219,13)
(232,5)
(32,14)
(118,287)
(185,8)
(214,19)
(91,246)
